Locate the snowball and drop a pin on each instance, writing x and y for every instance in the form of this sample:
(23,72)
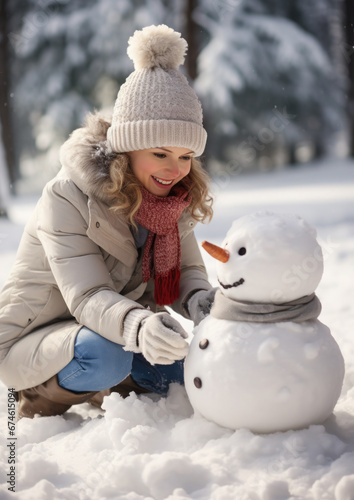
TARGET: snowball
(283,260)
(261,382)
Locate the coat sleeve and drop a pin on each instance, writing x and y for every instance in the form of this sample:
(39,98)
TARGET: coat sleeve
(78,266)
(193,273)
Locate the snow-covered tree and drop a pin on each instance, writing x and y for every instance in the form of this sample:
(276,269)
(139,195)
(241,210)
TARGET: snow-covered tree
(266,74)
(348,54)
(324,20)
(70,57)
(257,67)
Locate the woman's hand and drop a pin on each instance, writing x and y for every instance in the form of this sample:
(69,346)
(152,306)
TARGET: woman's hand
(200,303)
(162,339)
(158,336)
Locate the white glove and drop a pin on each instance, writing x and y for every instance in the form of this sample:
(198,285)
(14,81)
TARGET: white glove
(199,305)
(158,336)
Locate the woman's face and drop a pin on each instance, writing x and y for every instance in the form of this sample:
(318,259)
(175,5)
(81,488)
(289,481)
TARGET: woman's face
(159,169)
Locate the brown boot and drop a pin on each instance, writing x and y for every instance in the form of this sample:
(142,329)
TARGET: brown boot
(124,388)
(48,399)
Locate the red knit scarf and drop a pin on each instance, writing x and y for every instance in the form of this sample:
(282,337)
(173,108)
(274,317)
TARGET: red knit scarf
(162,250)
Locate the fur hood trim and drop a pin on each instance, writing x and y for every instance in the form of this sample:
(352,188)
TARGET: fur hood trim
(86,157)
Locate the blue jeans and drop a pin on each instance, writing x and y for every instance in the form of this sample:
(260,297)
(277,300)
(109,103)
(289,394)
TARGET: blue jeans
(100,364)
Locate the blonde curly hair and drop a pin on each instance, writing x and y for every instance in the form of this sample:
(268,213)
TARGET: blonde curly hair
(124,189)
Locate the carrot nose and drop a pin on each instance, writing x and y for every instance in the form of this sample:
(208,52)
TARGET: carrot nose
(216,252)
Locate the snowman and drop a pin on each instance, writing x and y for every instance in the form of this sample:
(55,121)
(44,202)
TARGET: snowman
(262,360)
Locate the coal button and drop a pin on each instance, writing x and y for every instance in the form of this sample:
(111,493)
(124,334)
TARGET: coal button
(197,382)
(203,344)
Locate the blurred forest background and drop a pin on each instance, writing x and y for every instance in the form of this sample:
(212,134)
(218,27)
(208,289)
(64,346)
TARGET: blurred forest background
(274,77)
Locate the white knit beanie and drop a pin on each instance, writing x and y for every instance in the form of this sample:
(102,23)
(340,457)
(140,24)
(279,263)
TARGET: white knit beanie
(156,107)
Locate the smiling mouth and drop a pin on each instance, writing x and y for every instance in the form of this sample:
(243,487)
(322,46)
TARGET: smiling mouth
(161,181)
(237,283)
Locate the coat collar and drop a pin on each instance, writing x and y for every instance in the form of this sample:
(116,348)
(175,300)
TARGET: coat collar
(86,158)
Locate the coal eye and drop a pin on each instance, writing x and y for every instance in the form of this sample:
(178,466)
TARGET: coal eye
(242,251)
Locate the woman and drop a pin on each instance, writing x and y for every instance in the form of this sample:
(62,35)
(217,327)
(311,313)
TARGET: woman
(110,244)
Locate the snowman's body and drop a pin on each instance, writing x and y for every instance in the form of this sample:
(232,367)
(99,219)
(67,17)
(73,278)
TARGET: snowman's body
(265,376)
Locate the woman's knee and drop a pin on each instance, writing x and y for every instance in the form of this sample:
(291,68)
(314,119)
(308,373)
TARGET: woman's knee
(98,363)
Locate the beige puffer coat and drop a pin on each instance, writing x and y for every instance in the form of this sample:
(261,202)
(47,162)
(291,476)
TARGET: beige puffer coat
(77,265)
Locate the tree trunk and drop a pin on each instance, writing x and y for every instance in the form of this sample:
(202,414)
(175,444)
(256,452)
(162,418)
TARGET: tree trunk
(349,58)
(5,112)
(190,36)
(4,181)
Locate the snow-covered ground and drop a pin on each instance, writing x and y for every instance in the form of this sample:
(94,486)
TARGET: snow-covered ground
(146,447)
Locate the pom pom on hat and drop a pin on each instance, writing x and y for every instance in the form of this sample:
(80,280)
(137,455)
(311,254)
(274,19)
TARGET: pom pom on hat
(157,47)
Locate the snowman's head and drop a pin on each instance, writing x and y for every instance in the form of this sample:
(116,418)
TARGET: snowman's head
(270,258)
